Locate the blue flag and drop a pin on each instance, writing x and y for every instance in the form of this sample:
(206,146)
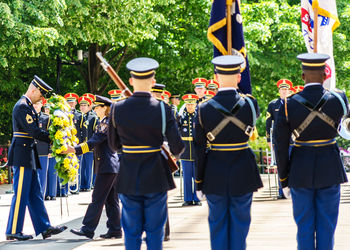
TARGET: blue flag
(217,34)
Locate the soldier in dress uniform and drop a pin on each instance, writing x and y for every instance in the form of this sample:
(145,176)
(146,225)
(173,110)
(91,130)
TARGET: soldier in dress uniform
(313,170)
(144,177)
(209,94)
(42,146)
(23,157)
(115,94)
(212,85)
(157,90)
(166,96)
(187,157)
(175,102)
(284,88)
(88,124)
(227,173)
(106,167)
(199,88)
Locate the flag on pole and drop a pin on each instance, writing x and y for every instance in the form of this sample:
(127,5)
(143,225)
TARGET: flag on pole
(217,34)
(327,22)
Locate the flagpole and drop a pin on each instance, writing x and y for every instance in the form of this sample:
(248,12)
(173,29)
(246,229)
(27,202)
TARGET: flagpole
(229,26)
(315,28)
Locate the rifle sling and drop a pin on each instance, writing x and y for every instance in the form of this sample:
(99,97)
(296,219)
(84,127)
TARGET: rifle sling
(314,111)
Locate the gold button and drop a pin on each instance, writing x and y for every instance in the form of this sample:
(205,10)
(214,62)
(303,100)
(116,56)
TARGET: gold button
(98,158)
(24,145)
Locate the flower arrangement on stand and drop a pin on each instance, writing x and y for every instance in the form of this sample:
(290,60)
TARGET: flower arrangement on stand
(62,134)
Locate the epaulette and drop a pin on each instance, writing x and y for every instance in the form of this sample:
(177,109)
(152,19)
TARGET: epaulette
(338,90)
(250,96)
(122,98)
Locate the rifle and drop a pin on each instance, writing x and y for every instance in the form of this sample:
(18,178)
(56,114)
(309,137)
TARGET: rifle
(126,91)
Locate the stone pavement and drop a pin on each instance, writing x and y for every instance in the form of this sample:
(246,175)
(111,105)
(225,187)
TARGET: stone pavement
(272,224)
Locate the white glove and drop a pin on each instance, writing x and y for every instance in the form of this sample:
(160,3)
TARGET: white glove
(200,195)
(286,192)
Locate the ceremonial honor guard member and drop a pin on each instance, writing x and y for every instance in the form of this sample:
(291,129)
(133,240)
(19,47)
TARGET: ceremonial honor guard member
(284,88)
(212,85)
(42,146)
(175,101)
(227,173)
(166,96)
(157,90)
(23,157)
(115,94)
(209,94)
(144,177)
(106,166)
(89,122)
(313,170)
(187,157)
(72,100)
(199,88)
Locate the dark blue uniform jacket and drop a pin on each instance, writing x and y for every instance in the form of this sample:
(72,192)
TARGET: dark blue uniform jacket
(23,152)
(309,167)
(225,172)
(105,160)
(138,122)
(186,127)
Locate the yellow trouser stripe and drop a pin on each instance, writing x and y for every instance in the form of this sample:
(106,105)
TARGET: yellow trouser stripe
(18,199)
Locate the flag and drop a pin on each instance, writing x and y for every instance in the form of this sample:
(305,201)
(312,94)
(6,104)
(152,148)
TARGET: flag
(217,34)
(327,22)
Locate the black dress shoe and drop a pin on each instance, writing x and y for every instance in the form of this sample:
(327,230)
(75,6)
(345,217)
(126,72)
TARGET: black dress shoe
(197,203)
(18,236)
(117,235)
(52,231)
(166,238)
(187,203)
(82,233)
(47,198)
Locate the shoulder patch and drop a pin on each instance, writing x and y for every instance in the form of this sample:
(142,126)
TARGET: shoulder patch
(29,119)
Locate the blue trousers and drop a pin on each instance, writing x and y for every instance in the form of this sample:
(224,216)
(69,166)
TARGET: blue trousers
(229,221)
(104,194)
(147,213)
(51,189)
(188,177)
(86,170)
(44,163)
(316,214)
(27,192)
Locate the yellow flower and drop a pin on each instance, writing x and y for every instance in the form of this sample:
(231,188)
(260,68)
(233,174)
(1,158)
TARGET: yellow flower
(64,148)
(58,151)
(74,131)
(66,161)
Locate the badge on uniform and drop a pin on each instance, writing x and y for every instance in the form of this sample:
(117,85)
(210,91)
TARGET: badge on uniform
(29,119)
(185,129)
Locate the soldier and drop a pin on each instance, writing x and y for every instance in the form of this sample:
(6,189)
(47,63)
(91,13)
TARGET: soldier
(72,100)
(144,176)
(157,90)
(227,173)
(187,157)
(175,102)
(313,170)
(42,147)
(284,88)
(115,94)
(106,167)
(88,124)
(213,85)
(209,94)
(23,157)
(166,96)
(199,88)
